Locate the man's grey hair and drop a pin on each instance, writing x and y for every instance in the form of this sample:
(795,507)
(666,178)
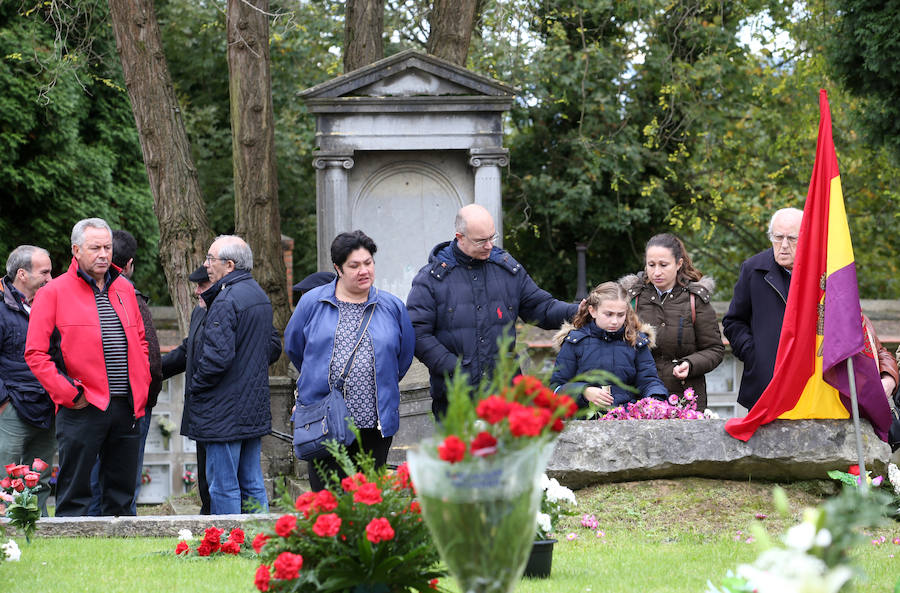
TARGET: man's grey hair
(94,223)
(237,250)
(20,258)
(782,211)
(460,224)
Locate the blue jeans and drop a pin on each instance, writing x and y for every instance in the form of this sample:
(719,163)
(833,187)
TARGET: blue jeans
(20,442)
(235,476)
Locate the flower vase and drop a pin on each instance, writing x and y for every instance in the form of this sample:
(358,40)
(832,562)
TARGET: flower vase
(540,561)
(482,512)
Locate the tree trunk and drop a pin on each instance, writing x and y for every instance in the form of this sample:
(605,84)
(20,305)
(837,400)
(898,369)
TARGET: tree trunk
(184,233)
(451,23)
(363,30)
(256,216)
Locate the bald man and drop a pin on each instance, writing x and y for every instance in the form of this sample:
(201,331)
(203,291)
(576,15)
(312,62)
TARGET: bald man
(468,294)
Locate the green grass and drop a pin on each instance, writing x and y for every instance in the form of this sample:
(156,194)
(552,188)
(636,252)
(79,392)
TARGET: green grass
(660,535)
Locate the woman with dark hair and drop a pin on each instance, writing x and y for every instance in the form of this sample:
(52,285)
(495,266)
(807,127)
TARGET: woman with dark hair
(322,333)
(673,296)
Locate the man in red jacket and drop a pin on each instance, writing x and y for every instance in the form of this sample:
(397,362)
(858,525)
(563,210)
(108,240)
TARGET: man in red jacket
(86,346)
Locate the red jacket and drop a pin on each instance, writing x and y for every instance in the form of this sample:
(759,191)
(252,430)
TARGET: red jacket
(66,304)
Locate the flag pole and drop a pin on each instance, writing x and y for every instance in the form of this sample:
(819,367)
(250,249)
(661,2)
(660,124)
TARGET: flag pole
(854,405)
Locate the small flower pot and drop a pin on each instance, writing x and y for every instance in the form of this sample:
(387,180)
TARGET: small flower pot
(541,559)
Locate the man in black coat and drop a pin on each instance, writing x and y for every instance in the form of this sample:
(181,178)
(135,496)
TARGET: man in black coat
(468,294)
(755,315)
(230,409)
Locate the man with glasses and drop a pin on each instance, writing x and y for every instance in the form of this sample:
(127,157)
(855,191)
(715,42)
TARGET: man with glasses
(466,296)
(754,318)
(228,379)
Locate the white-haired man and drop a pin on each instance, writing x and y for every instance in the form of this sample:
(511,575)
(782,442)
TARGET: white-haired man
(86,346)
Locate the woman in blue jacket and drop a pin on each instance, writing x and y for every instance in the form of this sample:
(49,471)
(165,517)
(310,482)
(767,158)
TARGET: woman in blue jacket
(320,337)
(606,336)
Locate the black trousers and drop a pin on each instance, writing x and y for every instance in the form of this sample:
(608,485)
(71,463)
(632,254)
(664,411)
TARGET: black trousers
(371,441)
(84,436)
(202,483)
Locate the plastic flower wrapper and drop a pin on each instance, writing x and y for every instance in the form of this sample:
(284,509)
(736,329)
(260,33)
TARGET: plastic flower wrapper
(479,477)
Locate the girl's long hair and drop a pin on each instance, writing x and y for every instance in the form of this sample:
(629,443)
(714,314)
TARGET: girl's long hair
(610,291)
(688,273)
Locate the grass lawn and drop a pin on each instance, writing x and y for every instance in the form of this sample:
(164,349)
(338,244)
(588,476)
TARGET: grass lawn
(660,535)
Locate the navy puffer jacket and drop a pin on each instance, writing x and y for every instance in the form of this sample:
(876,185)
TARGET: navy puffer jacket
(18,384)
(591,348)
(459,306)
(229,383)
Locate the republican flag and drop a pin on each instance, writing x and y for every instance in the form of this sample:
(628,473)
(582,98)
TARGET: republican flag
(823,324)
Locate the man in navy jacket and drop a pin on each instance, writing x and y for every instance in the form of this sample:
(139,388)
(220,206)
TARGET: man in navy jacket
(468,294)
(229,378)
(27,429)
(754,318)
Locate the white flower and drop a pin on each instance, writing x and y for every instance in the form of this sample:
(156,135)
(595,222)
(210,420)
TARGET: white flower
(787,571)
(543,523)
(894,477)
(823,538)
(545,482)
(801,537)
(557,493)
(11,551)
(185,535)
(710,415)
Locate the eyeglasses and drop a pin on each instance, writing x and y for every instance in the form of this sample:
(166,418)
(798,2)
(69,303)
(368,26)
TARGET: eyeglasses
(778,239)
(481,242)
(212,257)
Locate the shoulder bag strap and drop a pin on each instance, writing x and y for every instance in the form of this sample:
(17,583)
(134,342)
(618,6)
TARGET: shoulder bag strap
(363,325)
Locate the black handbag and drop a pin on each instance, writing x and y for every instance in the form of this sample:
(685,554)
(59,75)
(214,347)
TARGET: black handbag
(326,419)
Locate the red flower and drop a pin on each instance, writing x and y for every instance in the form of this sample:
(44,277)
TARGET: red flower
(16,471)
(213,535)
(854,469)
(557,425)
(325,501)
(304,501)
(484,444)
(433,583)
(452,449)
(287,566)
(5,483)
(402,476)
(415,507)
(18,485)
(231,547)
(531,384)
(493,409)
(262,578)
(237,535)
(351,483)
(379,530)
(259,541)
(528,421)
(31,479)
(327,525)
(368,494)
(39,465)
(9,467)
(182,548)
(204,549)
(285,525)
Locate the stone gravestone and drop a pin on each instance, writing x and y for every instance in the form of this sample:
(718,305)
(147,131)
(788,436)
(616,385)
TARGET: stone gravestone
(403,144)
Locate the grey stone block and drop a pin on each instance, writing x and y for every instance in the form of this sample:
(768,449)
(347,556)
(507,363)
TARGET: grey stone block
(592,452)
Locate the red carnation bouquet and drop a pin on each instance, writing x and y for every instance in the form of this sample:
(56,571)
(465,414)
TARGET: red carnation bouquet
(18,495)
(364,532)
(478,478)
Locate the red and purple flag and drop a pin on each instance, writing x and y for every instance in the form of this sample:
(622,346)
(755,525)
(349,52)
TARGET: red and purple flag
(823,324)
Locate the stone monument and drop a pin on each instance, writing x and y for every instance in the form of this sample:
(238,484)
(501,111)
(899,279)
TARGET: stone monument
(403,144)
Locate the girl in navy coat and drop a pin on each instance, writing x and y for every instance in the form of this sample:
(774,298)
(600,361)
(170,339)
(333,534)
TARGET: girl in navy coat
(606,335)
